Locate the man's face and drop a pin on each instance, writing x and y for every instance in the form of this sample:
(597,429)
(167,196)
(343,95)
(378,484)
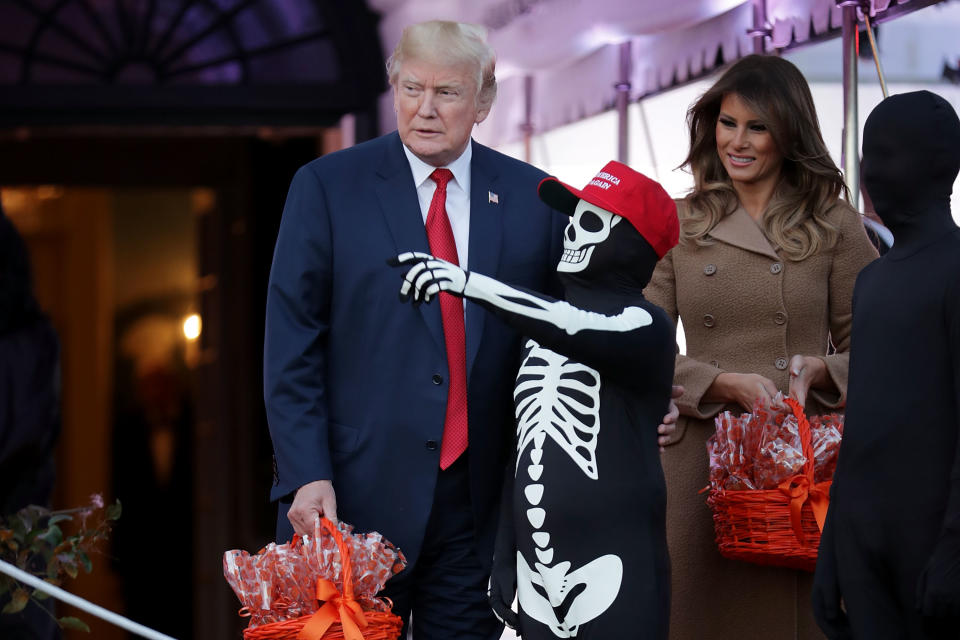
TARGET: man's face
(436,108)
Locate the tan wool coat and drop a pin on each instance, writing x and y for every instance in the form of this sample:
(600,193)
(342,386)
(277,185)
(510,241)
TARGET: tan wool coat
(746,308)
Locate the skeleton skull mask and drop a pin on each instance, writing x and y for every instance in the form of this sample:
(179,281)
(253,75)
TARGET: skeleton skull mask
(589,226)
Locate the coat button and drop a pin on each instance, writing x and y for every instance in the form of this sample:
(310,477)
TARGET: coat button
(776,268)
(781,363)
(708,320)
(432,445)
(437,378)
(780,317)
(710,269)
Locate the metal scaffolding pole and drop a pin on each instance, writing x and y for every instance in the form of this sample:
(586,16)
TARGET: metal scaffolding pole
(761,28)
(851,134)
(623,101)
(527,127)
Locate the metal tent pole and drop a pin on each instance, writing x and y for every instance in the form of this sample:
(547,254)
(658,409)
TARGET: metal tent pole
(761,28)
(623,101)
(527,127)
(851,135)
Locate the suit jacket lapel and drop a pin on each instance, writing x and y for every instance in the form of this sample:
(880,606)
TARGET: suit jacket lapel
(740,230)
(486,222)
(401,211)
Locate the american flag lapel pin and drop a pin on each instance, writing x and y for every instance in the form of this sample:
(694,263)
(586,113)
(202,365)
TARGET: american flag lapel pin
(492,198)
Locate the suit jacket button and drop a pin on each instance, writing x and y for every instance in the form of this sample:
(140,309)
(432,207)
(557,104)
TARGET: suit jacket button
(781,363)
(432,445)
(708,321)
(710,269)
(776,268)
(780,317)
(437,378)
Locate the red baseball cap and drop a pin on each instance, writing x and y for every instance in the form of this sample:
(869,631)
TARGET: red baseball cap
(627,193)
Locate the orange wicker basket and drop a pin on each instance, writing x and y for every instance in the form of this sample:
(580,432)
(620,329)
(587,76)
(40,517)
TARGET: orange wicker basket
(340,617)
(777,527)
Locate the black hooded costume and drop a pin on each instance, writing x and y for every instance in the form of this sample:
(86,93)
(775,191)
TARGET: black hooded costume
(29,414)
(582,536)
(891,545)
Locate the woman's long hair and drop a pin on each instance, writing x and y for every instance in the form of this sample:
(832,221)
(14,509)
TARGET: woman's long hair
(810,182)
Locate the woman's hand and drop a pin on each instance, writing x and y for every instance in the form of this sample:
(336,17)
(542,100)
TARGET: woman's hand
(746,389)
(806,372)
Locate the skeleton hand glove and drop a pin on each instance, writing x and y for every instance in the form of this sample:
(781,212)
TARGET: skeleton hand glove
(428,276)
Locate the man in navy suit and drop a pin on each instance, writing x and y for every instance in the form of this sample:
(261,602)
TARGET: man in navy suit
(395,418)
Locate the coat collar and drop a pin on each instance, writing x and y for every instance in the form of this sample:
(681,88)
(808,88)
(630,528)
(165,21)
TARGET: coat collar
(740,230)
(486,211)
(460,168)
(397,194)
(400,206)
(487,208)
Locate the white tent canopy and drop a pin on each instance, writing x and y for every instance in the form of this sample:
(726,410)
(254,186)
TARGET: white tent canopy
(561,58)
(559,64)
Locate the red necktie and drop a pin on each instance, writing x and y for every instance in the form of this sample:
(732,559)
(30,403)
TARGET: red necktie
(442,245)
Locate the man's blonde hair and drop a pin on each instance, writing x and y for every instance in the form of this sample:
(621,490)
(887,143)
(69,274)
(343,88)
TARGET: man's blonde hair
(449,43)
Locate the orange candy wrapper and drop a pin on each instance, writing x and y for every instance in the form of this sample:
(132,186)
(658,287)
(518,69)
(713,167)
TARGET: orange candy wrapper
(279,582)
(761,449)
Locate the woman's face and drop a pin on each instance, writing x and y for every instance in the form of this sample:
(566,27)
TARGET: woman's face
(745,146)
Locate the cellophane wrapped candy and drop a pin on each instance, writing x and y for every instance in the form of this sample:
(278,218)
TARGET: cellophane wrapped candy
(825,432)
(761,449)
(279,582)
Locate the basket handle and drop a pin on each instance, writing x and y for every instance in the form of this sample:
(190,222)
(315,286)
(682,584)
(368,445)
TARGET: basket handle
(346,563)
(801,487)
(337,607)
(806,437)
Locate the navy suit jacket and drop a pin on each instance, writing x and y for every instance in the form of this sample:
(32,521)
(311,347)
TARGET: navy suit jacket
(355,382)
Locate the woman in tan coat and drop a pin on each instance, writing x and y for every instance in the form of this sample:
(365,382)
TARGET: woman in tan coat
(762,280)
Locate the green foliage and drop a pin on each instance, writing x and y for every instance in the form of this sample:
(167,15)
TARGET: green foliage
(33,540)
(69,622)
(17,601)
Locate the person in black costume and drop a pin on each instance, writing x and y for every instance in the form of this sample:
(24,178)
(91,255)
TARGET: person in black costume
(153,479)
(29,410)
(582,536)
(890,550)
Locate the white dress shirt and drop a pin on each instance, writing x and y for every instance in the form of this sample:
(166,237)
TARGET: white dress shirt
(458,195)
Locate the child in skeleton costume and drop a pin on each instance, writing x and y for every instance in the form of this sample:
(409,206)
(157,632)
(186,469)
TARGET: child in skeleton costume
(582,535)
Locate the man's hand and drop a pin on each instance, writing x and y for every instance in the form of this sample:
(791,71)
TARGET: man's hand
(669,425)
(428,276)
(806,372)
(312,500)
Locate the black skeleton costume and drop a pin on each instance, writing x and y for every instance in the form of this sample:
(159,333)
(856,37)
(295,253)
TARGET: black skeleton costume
(583,528)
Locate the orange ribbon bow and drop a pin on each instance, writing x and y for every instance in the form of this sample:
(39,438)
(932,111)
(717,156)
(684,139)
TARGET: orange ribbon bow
(799,489)
(336,608)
